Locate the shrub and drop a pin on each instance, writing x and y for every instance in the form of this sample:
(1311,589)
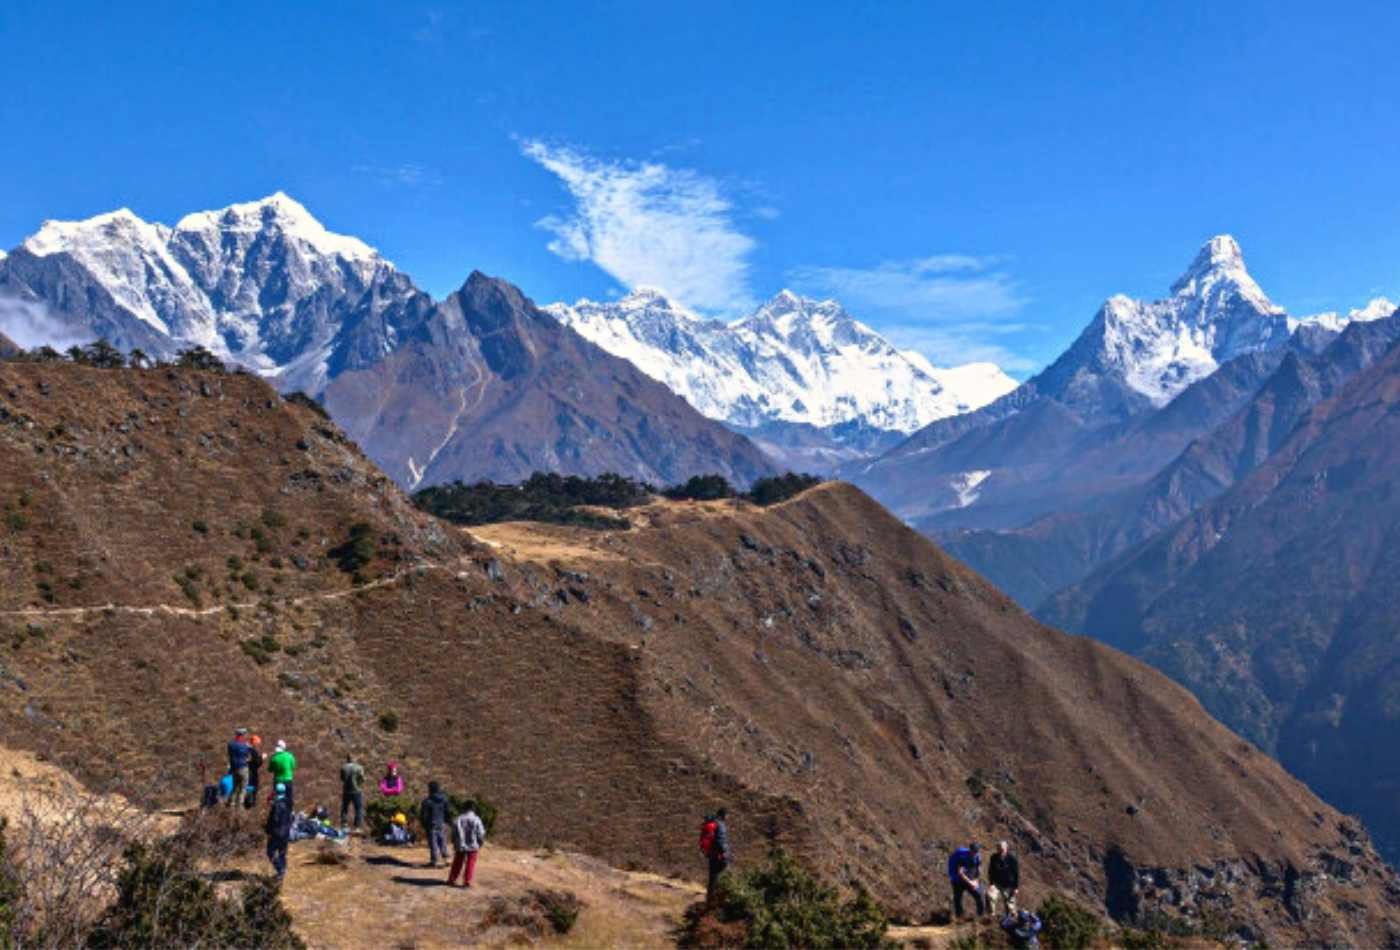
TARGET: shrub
(976,783)
(701,488)
(549,498)
(357,551)
(782,905)
(163,900)
(389,721)
(769,491)
(1066,925)
(200,527)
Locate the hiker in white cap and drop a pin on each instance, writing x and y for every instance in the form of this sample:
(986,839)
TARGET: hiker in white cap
(282,766)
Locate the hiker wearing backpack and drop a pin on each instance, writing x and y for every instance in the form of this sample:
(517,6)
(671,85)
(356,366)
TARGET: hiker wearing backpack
(239,754)
(352,790)
(255,764)
(468,835)
(282,767)
(964,867)
(714,845)
(279,830)
(1003,878)
(432,813)
(1022,930)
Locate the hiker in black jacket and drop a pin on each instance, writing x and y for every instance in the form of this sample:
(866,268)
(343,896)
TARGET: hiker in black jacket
(279,831)
(1004,875)
(432,813)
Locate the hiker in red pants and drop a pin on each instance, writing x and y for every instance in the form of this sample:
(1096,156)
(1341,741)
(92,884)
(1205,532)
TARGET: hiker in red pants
(468,835)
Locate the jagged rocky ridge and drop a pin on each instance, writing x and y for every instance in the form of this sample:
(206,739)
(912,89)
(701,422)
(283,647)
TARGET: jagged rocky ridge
(811,383)
(436,391)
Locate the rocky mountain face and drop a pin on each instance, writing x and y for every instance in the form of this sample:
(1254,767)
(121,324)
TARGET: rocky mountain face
(485,385)
(1142,382)
(812,666)
(435,391)
(1275,602)
(263,284)
(1055,550)
(812,384)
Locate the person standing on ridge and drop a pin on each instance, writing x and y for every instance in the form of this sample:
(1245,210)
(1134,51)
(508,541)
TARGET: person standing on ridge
(432,813)
(964,867)
(352,790)
(1004,878)
(714,844)
(282,767)
(279,830)
(239,755)
(468,835)
(391,785)
(255,764)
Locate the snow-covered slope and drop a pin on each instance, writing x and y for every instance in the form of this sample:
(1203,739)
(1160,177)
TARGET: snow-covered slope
(794,360)
(261,283)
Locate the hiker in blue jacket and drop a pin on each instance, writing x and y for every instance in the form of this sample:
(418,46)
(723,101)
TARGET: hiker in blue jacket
(240,755)
(964,868)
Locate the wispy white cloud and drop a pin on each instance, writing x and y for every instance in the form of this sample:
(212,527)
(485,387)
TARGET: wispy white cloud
(30,324)
(404,174)
(953,308)
(646,223)
(925,289)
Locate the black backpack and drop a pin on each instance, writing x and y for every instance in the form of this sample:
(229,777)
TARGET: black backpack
(210,797)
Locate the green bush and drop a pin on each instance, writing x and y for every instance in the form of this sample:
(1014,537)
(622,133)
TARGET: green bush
(701,488)
(357,551)
(389,721)
(554,499)
(1066,925)
(770,491)
(163,900)
(781,905)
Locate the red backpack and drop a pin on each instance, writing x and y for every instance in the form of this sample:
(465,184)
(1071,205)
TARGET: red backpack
(707,837)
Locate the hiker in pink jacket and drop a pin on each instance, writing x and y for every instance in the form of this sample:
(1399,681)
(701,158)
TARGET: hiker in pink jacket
(392,782)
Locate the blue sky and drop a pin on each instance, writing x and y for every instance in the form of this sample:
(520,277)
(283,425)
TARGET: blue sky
(972,181)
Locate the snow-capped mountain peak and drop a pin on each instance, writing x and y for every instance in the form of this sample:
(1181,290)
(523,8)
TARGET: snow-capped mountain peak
(794,360)
(262,282)
(281,213)
(1215,312)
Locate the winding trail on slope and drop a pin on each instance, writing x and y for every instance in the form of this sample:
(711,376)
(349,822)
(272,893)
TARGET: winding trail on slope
(175,611)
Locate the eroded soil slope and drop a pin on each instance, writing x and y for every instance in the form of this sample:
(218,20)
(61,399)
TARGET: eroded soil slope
(831,676)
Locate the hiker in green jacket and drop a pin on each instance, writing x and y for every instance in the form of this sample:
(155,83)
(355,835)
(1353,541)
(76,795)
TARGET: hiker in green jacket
(282,766)
(352,791)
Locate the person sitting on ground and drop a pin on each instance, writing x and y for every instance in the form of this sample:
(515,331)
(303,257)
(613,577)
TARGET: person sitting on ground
(255,764)
(282,767)
(432,814)
(468,835)
(1022,929)
(391,785)
(397,832)
(1003,879)
(714,844)
(226,787)
(239,753)
(279,830)
(964,866)
(352,790)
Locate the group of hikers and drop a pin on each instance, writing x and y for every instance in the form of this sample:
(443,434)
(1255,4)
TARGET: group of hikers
(1003,883)
(468,832)
(240,784)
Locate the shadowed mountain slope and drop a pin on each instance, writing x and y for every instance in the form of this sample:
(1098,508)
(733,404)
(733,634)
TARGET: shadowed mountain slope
(830,675)
(489,386)
(1275,602)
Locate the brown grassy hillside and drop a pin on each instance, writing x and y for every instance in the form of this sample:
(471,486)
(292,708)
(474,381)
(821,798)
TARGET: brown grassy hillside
(828,674)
